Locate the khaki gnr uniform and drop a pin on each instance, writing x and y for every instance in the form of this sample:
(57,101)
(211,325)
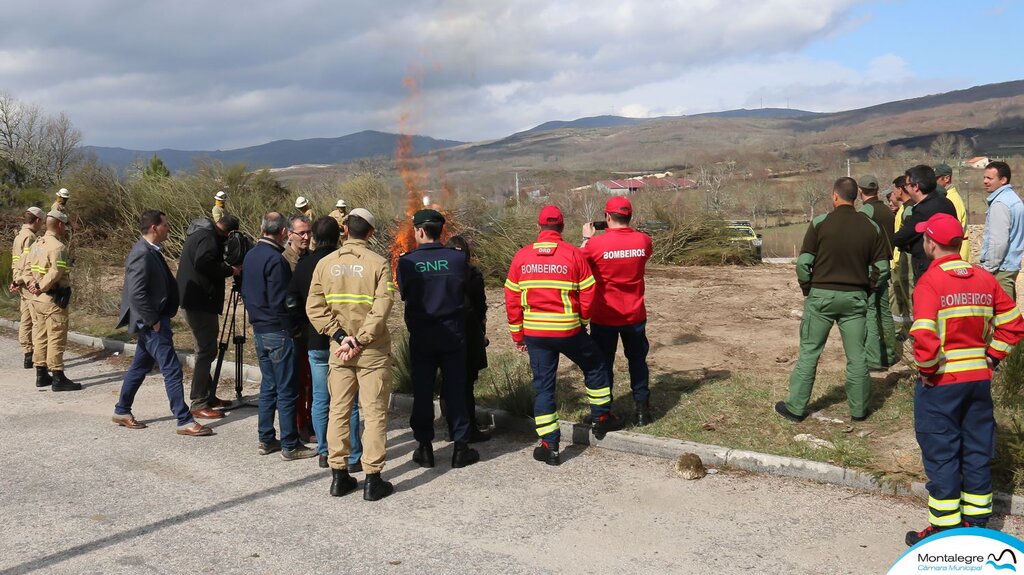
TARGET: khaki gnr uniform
(47,265)
(19,255)
(352,290)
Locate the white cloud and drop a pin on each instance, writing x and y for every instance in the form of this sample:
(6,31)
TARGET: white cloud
(194,74)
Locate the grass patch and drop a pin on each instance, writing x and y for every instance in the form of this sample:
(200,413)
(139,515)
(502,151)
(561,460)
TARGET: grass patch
(509,381)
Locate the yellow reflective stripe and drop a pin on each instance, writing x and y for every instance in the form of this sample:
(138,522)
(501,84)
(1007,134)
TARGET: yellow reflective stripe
(550,326)
(349,298)
(954,265)
(1005,318)
(965,353)
(549,428)
(15,258)
(589,281)
(509,284)
(929,363)
(542,419)
(515,327)
(964,365)
(944,520)
(543,315)
(553,284)
(599,400)
(975,499)
(972,510)
(40,269)
(943,504)
(1002,346)
(391,286)
(925,324)
(599,392)
(538,245)
(566,302)
(965,311)
(25,251)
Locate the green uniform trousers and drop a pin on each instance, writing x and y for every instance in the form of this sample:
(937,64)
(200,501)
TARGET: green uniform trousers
(901,296)
(1009,282)
(880,349)
(822,308)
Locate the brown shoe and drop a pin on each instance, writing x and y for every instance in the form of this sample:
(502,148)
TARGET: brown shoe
(128,421)
(195,430)
(207,413)
(218,403)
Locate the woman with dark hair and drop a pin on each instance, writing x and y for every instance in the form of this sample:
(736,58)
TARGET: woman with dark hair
(476,334)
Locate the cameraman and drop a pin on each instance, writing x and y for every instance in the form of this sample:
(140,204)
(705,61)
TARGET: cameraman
(618,258)
(201,275)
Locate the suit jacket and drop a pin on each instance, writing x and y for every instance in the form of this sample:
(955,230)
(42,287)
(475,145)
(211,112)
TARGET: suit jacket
(149,291)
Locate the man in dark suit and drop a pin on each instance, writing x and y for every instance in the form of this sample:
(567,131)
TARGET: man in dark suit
(149,299)
(927,202)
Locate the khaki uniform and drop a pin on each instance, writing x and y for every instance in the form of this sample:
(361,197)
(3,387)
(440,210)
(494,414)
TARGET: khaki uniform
(47,265)
(19,255)
(339,216)
(352,290)
(59,207)
(291,256)
(218,212)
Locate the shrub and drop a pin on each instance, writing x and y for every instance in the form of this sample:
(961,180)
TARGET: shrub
(401,364)
(1009,381)
(509,376)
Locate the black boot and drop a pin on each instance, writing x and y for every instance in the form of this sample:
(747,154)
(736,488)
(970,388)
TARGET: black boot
(342,483)
(62,383)
(547,453)
(607,422)
(375,488)
(643,413)
(477,435)
(43,378)
(464,455)
(424,454)
(27,364)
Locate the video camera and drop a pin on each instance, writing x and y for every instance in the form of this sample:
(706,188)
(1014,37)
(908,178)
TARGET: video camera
(235,247)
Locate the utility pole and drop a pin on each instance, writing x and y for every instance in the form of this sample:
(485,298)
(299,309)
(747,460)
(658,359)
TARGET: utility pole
(847,167)
(517,189)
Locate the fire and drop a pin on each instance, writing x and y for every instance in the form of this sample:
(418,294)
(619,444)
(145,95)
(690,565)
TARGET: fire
(414,173)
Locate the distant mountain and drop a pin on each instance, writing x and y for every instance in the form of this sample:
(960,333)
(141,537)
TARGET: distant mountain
(279,153)
(590,122)
(758,113)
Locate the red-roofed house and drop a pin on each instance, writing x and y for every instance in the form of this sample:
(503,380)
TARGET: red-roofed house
(633,185)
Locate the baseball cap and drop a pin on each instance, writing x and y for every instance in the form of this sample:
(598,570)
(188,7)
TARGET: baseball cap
(58,215)
(426,217)
(366,215)
(943,228)
(37,212)
(550,215)
(618,205)
(301,202)
(868,182)
(943,170)
(340,204)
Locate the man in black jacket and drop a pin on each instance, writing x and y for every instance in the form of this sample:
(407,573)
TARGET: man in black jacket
(201,275)
(921,187)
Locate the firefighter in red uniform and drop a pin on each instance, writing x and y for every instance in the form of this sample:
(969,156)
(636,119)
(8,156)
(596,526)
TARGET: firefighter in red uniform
(964,325)
(618,258)
(548,296)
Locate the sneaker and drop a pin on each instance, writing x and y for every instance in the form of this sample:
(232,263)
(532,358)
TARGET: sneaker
(301,451)
(547,453)
(914,537)
(607,422)
(781,409)
(268,448)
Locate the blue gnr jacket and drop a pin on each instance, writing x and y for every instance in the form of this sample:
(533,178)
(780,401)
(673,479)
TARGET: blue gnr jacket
(265,278)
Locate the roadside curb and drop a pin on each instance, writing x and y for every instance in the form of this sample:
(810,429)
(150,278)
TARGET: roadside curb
(632,442)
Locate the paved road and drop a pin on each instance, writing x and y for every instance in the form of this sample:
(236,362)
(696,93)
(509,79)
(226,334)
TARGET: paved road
(80,495)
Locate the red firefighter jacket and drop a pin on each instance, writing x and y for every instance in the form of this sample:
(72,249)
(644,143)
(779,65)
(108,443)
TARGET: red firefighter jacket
(549,289)
(617,258)
(960,315)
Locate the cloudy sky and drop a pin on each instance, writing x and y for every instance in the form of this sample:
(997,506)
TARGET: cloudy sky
(197,74)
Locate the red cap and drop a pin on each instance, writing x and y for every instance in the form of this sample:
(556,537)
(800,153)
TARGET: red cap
(618,205)
(943,228)
(549,215)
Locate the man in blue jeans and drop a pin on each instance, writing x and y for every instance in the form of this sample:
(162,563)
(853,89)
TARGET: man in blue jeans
(149,299)
(265,279)
(326,233)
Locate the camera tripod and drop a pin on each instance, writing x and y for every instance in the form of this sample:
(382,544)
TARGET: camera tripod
(229,332)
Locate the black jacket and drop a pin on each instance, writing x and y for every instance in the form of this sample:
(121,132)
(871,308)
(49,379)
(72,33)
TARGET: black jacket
(149,291)
(298,292)
(476,320)
(202,270)
(910,240)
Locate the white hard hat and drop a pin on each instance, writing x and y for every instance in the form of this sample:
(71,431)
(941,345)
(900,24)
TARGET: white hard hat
(301,202)
(64,193)
(220,196)
(340,204)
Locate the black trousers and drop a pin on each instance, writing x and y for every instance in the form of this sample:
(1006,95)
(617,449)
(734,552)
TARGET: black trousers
(438,347)
(205,328)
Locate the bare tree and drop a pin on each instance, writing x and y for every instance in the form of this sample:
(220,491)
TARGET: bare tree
(879,152)
(61,139)
(713,179)
(812,192)
(942,147)
(963,150)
